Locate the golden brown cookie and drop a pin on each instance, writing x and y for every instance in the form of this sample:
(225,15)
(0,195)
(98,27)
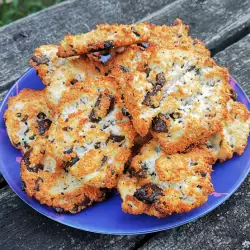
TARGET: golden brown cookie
(85,149)
(59,74)
(181,98)
(176,36)
(104,37)
(93,128)
(134,57)
(27,118)
(55,187)
(91,138)
(233,135)
(159,184)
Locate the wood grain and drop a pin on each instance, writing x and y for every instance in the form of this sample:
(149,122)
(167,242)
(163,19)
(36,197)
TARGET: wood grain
(237,59)
(2,95)
(23,228)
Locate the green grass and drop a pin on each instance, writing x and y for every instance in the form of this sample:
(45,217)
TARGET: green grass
(17,9)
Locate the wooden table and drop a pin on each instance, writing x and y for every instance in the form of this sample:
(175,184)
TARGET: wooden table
(222,24)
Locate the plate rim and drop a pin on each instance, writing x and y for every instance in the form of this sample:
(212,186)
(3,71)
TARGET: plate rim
(161,228)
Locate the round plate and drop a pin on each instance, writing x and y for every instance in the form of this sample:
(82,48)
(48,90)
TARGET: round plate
(107,217)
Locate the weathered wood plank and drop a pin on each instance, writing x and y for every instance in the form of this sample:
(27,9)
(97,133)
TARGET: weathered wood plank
(228,227)
(23,228)
(236,58)
(213,21)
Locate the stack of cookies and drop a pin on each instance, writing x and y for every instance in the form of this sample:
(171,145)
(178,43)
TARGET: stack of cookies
(140,108)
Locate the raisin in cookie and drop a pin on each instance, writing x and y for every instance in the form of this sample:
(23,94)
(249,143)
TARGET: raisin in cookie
(27,118)
(159,184)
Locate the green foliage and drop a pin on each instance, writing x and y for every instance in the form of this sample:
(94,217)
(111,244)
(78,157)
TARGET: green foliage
(17,9)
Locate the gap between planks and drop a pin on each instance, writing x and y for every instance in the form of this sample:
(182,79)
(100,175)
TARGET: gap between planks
(2,181)
(234,39)
(144,240)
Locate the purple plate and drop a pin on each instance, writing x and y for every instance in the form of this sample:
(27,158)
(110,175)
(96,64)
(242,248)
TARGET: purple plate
(107,217)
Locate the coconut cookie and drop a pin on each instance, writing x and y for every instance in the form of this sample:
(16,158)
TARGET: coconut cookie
(27,118)
(135,57)
(45,62)
(181,98)
(233,135)
(104,37)
(159,184)
(55,187)
(92,137)
(59,74)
